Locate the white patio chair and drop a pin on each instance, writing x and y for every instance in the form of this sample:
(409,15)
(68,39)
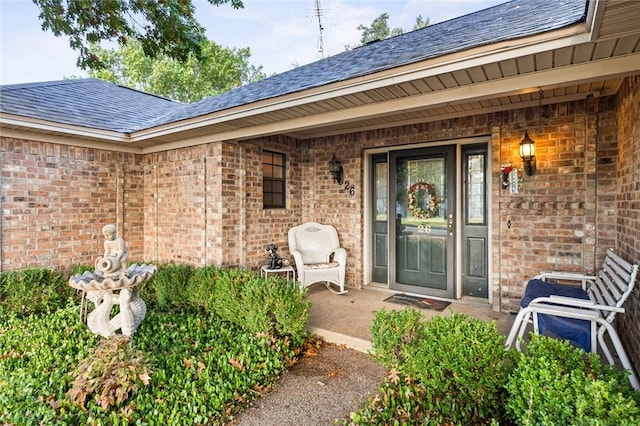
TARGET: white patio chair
(318,256)
(581,314)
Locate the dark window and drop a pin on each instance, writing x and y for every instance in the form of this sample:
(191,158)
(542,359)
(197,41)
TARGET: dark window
(273,180)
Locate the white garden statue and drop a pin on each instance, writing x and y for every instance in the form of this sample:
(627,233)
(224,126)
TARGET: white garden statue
(113,283)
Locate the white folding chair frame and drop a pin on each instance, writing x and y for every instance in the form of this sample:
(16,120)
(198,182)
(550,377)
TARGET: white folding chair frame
(607,292)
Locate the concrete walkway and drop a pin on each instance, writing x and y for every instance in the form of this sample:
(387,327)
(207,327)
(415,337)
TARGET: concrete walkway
(345,319)
(337,379)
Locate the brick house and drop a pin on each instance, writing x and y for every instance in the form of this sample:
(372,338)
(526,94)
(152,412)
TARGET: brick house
(431,116)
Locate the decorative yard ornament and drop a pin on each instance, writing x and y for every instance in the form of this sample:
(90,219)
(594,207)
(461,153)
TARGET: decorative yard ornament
(113,283)
(275,261)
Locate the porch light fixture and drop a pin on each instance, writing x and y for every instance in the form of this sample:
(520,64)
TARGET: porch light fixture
(336,169)
(528,154)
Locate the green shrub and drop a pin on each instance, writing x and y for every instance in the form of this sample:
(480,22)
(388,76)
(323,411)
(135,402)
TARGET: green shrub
(290,309)
(458,365)
(201,285)
(204,369)
(168,288)
(36,353)
(463,365)
(33,291)
(207,362)
(268,306)
(227,300)
(81,269)
(556,383)
(260,306)
(400,401)
(396,335)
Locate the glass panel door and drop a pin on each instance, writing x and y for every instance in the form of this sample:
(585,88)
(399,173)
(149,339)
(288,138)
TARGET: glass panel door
(475,241)
(423,192)
(380,196)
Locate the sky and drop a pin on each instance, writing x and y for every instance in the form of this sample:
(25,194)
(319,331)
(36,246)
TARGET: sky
(281,34)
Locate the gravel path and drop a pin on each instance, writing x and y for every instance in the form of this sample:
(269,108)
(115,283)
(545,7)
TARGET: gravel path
(317,390)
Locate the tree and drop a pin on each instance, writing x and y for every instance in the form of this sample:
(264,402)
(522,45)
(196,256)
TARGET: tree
(162,27)
(217,70)
(379,30)
(420,23)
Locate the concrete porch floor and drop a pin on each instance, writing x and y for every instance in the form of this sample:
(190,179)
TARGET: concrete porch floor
(345,319)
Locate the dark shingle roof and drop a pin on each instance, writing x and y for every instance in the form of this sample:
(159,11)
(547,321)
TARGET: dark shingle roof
(88,102)
(112,107)
(507,21)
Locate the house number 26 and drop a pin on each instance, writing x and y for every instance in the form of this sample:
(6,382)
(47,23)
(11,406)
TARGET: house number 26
(350,188)
(424,229)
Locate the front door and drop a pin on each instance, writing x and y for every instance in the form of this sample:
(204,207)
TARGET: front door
(415,236)
(422,195)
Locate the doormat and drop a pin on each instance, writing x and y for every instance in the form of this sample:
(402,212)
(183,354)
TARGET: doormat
(418,302)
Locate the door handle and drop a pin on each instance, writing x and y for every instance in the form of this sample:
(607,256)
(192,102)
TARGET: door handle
(450,224)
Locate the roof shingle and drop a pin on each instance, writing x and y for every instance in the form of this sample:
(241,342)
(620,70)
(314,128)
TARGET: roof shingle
(106,106)
(88,102)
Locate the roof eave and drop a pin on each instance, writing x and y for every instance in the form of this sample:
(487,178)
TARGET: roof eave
(17,126)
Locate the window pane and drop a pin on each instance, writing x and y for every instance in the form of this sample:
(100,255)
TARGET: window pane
(431,171)
(278,172)
(381,191)
(476,189)
(273,180)
(267,157)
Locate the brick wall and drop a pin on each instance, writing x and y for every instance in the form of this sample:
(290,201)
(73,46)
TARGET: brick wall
(193,205)
(628,206)
(174,198)
(266,226)
(56,198)
(203,205)
(325,201)
(562,217)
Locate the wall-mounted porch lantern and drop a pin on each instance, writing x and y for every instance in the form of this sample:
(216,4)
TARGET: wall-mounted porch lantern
(336,169)
(528,154)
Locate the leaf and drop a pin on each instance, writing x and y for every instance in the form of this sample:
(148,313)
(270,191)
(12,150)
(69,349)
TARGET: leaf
(55,404)
(263,390)
(393,376)
(106,401)
(237,364)
(144,377)
(199,370)
(77,396)
(310,353)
